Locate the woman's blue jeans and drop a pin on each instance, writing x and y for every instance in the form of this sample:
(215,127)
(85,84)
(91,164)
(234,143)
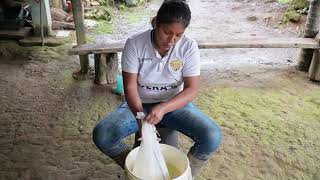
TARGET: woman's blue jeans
(189,120)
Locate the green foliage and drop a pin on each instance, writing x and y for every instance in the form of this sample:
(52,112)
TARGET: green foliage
(90,38)
(291,15)
(299,4)
(294,10)
(134,18)
(131,2)
(103,27)
(283,1)
(122,7)
(104,2)
(99,14)
(134,14)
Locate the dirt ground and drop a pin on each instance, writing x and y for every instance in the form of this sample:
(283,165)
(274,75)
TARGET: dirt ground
(268,111)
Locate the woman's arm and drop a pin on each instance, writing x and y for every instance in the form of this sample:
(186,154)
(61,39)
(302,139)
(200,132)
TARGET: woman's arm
(131,93)
(189,92)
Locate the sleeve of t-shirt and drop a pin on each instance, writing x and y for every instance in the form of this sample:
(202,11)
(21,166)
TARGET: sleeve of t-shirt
(129,58)
(192,61)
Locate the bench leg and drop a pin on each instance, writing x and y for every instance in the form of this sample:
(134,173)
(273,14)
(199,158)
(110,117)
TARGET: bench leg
(112,67)
(106,68)
(305,57)
(314,70)
(100,69)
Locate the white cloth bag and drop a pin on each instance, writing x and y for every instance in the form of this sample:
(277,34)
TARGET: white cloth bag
(150,163)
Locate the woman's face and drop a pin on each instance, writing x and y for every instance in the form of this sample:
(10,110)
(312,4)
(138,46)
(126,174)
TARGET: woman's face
(166,35)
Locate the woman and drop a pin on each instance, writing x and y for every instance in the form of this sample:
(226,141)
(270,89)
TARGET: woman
(161,74)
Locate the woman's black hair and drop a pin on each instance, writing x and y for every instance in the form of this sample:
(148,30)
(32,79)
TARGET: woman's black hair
(173,11)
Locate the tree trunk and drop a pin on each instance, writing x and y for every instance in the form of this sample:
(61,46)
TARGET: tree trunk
(311,30)
(78,14)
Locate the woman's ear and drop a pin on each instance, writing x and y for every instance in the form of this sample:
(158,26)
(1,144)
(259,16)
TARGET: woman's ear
(154,22)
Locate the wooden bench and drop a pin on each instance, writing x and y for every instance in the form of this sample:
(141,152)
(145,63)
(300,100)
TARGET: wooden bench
(106,58)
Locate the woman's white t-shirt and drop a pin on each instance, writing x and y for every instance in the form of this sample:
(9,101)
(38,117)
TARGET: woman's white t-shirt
(160,78)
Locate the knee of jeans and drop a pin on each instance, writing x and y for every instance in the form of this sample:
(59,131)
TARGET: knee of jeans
(103,137)
(213,138)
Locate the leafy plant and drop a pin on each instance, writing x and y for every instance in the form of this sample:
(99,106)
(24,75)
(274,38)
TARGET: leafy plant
(99,14)
(104,2)
(103,27)
(283,1)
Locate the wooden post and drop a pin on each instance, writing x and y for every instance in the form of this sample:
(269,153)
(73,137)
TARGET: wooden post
(314,70)
(311,30)
(112,67)
(106,68)
(45,16)
(100,67)
(78,15)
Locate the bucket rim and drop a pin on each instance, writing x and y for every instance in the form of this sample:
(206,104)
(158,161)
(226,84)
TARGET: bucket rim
(129,172)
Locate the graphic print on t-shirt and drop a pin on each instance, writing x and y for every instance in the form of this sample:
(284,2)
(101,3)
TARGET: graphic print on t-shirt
(176,65)
(160,87)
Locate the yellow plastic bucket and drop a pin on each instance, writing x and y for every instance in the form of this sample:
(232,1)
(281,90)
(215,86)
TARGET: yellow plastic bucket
(177,162)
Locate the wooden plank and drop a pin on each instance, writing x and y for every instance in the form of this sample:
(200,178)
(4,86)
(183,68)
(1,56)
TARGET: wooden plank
(307,43)
(37,41)
(15,34)
(45,16)
(97,48)
(62,24)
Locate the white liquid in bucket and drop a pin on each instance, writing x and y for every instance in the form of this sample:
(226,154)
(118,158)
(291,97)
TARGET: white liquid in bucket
(177,163)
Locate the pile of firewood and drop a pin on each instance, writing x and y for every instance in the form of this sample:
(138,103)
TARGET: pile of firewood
(61,19)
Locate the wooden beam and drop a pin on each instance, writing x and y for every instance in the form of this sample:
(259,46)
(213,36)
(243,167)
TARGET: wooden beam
(16,34)
(62,24)
(96,48)
(46,17)
(308,43)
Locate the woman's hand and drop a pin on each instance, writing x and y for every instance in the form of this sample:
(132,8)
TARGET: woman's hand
(156,114)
